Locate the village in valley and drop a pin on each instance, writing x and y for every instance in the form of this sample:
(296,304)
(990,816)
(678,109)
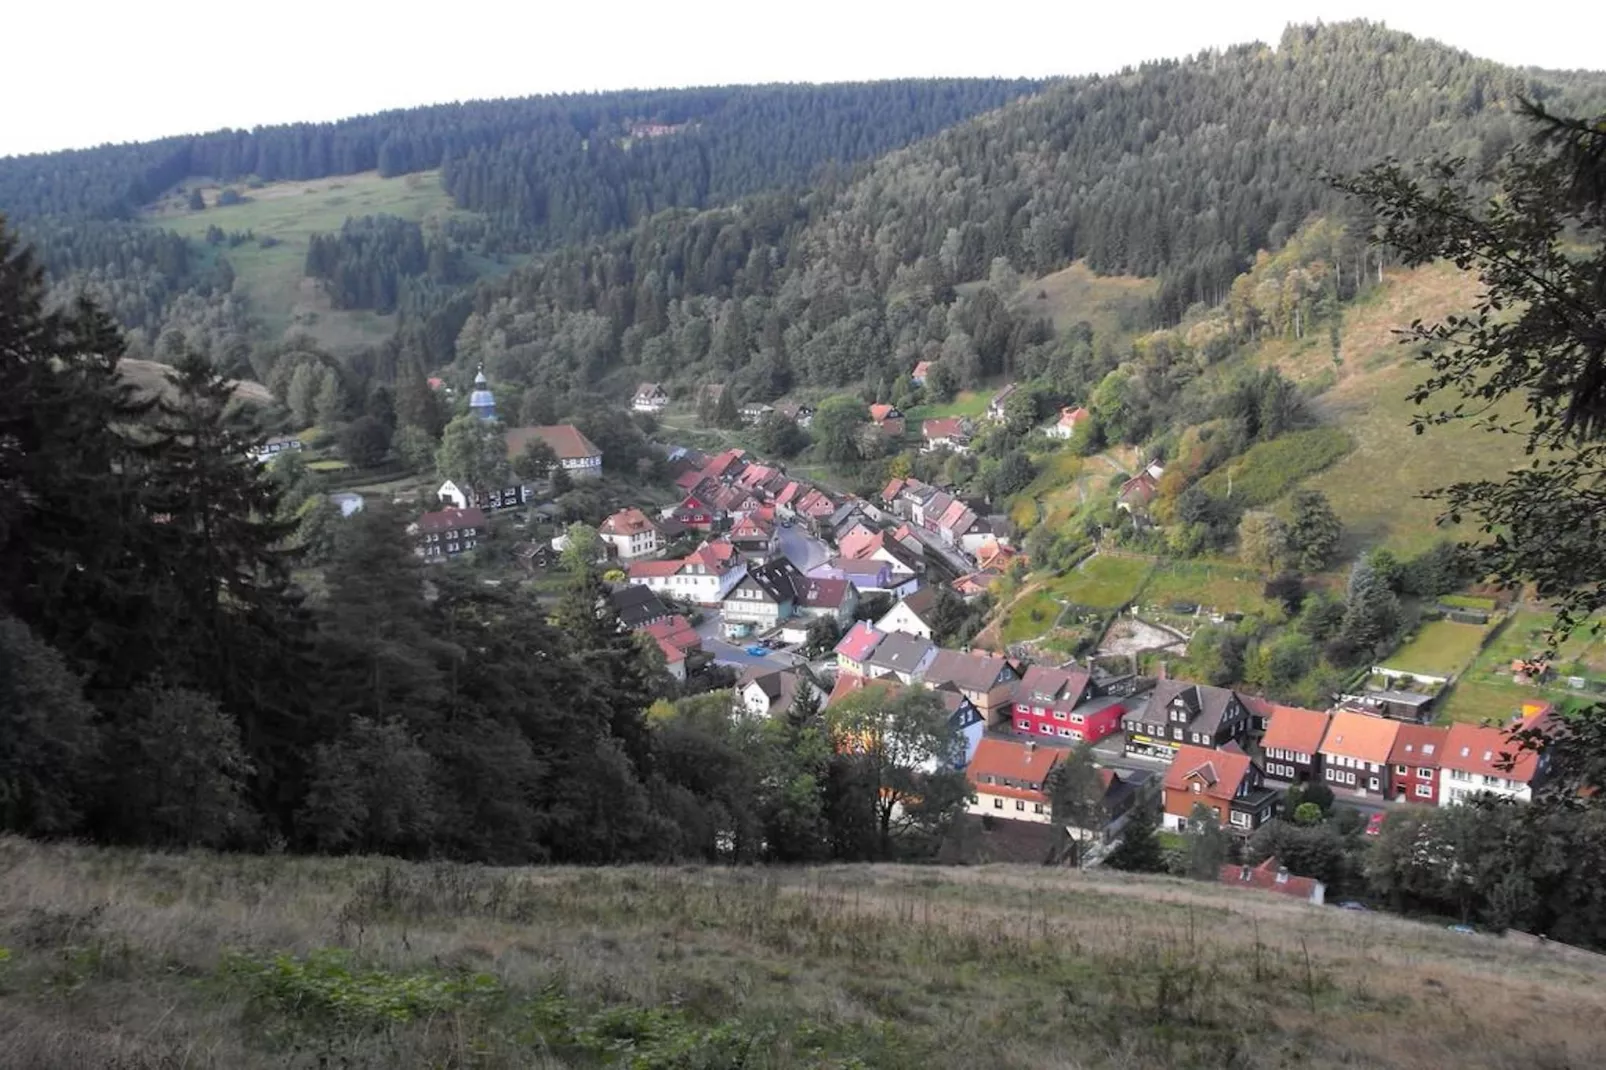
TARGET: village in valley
(780,590)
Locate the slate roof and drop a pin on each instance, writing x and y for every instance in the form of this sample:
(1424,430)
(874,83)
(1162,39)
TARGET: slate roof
(778,579)
(898,652)
(637,605)
(1207,703)
(968,672)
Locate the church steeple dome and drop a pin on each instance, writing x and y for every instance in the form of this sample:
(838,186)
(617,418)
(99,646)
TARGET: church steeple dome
(481,402)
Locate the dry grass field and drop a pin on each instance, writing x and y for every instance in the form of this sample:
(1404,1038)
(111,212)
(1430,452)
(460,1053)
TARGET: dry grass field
(139,960)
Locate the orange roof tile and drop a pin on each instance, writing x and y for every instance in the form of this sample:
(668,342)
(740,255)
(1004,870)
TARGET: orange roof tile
(1016,760)
(1481,749)
(1292,728)
(1219,771)
(1361,736)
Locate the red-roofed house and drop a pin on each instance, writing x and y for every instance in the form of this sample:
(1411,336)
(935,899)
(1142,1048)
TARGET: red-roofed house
(577,455)
(1293,741)
(1069,420)
(753,536)
(1355,752)
(1138,492)
(889,418)
(922,370)
(1474,756)
(1010,779)
(1225,782)
(855,648)
(705,576)
(631,534)
(677,639)
(691,481)
(448,532)
(695,512)
(725,466)
(952,433)
(1273,876)
(1414,763)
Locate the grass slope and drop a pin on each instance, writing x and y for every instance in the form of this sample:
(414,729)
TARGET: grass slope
(143,960)
(292,212)
(1111,303)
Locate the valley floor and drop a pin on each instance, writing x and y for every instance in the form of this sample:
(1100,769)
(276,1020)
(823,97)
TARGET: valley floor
(135,960)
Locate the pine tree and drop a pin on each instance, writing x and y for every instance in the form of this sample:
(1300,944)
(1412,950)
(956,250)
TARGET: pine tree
(1139,850)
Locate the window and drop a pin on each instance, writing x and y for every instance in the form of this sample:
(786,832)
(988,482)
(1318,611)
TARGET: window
(1400,770)
(1024,726)
(1076,718)
(1424,791)
(1019,805)
(1197,787)
(1066,733)
(1491,781)
(1425,774)
(1240,819)
(1037,808)
(1046,729)
(998,804)
(1371,783)
(1059,715)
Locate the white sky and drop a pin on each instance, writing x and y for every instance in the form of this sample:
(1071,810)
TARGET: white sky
(82,72)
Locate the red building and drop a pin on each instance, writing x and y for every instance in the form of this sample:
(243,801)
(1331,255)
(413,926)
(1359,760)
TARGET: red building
(694,513)
(1414,763)
(1063,704)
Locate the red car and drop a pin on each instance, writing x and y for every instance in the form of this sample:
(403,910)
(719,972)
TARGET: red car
(1374,824)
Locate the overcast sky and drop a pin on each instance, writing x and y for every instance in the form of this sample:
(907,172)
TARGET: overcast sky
(82,72)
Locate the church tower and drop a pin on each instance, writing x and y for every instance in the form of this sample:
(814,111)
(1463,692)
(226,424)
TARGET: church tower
(481,403)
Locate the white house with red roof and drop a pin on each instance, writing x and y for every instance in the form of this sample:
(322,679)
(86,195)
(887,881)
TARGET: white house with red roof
(1272,876)
(1010,780)
(947,433)
(854,649)
(1070,418)
(677,639)
(704,576)
(1483,760)
(631,533)
(577,455)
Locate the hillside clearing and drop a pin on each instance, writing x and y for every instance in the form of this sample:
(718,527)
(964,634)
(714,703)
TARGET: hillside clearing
(1111,303)
(1440,648)
(148,960)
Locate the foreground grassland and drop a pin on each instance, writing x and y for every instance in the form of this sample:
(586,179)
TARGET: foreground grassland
(139,960)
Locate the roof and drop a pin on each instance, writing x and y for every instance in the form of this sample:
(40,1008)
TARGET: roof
(825,593)
(859,642)
(1270,876)
(631,521)
(1419,744)
(779,579)
(949,427)
(847,683)
(718,555)
(921,368)
(780,686)
(1207,703)
(1476,748)
(751,526)
(880,412)
(689,481)
(1004,394)
(790,491)
(1044,684)
(868,568)
(646,390)
(721,464)
(957,517)
(1293,729)
(1142,485)
(859,544)
(675,633)
(451,518)
(890,491)
(636,605)
(565,440)
(919,603)
(1014,760)
(900,652)
(966,671)
(1361,736)
(1219,772)
(640,570)
(1070,417)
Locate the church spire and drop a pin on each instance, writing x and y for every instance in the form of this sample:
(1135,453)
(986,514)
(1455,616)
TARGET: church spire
(482,403)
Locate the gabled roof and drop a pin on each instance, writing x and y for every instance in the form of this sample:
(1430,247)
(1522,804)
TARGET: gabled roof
(919,603)
(1270,876)
(1294,729)
(949,427)
(938,504)
(1361,736)
(630,521)
(847,683)
(1022,762)
(1141,486)
(825,593)
(778,579)
(1003,395)
(717,555)
(780,686)
(1481,749)
(1218,772)
(967,671)
(815,504)
(649,390)
(958,518)
(641,570)
(859,544)
(1070,417)
(690,481)
(890,491)
(1046,685)
(675,632)
(869,568)
(899,652)
(921,368)
(451,519)
(751,526)
(565,440)
(859,642)
(1421,745)
(724,464)
(1207,704)
(637,605)
(881,412)
(789,492)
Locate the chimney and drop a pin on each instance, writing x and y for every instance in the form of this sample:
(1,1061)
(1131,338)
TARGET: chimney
(1031,746)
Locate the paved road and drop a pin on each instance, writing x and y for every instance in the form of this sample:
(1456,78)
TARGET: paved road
(803,549)
(737,656)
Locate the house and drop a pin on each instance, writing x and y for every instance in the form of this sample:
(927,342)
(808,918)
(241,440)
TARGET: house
(577,455)
(966,722)
(754,411)
(995,407)
(725,467)
(631,534)
(348,502)
(1225,782)
(1291,747)
(770,692)
(638,607)
(926,509)
(955,521)
(868,575)
(796,411)
(1414,763)
(994,556)
(490,500)
(276,445)
(1474,756)
(815,507)
(952,433)
(762,599)
(1137,492)
(1273,876)
(921,372)
(836,599)
(972,586)
(704,576)
(1063,704)
(880,546)
(695,512)
(678,640)
(987,680)
(911,616)
(753,536)
(889,419)
(855,648)
(1010,780)
(1070,419)
(902,657)
(448,532)
(1355,753)
(650,397)
(1178,713)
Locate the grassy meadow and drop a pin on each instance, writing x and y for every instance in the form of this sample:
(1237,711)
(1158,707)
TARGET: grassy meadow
(1440,648)
(143,960)
(292,212)
(1111,303)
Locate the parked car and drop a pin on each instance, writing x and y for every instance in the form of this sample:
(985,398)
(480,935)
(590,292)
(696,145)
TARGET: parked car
(786,521)
(1350,904)
(757,650)
(1465,930)
(1374,824)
